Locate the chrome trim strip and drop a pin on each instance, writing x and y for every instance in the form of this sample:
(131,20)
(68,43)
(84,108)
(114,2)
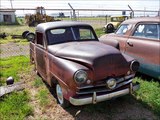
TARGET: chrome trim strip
(100,98)
(106,90)
(118,81)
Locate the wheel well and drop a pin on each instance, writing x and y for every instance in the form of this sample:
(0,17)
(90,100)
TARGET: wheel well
(53,81)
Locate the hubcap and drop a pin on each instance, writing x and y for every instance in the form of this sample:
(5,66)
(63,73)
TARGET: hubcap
(59,94)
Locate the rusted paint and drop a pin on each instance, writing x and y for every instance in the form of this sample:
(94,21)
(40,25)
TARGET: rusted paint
(61,61)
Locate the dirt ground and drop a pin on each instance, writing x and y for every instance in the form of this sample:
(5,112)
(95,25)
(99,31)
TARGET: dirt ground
(123,108)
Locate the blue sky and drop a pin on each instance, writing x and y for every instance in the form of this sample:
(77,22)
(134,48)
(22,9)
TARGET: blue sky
(81,4)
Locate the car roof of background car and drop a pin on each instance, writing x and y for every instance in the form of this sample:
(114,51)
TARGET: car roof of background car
(58,24)
(142,19)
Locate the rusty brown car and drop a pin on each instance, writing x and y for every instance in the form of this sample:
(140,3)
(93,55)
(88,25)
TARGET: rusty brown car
(82,70)
(139,38)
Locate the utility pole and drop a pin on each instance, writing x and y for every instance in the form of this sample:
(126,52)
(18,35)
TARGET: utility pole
(73,11)
(132,12)
(11,4)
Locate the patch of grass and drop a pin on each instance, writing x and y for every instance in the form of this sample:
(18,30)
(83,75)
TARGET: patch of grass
(42,96)
(9,39)
(149,94)
(15,106)
(14,30)
(12,66)
(38,82)
(99,32)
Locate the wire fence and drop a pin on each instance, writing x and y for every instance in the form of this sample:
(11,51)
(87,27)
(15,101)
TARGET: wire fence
(13,49)
(95,18)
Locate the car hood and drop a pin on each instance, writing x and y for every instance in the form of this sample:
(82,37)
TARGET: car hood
(103,59)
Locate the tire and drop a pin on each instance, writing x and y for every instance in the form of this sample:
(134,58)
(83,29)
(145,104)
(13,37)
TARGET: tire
(30,36)
(110,28)
(59,96)
(24,34)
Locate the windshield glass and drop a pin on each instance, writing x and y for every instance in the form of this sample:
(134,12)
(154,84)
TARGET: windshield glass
(68,34)
(123,29)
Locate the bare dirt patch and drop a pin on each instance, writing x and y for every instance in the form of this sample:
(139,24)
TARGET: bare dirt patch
(123,108)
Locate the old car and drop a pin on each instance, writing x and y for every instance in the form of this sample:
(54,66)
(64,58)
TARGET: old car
(80,69)
(139,38)
(114,23)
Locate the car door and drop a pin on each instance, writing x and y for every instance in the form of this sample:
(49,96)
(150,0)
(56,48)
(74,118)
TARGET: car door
(40,54)
(144,45)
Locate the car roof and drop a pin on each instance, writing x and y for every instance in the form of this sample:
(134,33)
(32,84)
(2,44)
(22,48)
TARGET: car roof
(141,19)
(57,24)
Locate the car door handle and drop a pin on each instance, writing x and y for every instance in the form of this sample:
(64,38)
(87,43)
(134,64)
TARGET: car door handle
(129,43)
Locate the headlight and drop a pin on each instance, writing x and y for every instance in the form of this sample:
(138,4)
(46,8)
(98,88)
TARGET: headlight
(111,83)
(134,66)
(80,76)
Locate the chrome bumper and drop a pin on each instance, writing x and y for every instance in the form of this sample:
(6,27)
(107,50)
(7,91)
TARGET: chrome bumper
(94,99)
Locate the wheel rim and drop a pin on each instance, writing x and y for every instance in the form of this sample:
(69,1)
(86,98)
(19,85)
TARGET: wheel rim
(59,94)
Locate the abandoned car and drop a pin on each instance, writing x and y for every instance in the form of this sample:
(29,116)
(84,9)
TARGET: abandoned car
(139,38)
(81,70)
(115,21)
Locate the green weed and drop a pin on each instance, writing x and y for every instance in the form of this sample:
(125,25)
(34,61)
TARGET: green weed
(38,82)
(43,97)
(99,32)
(149,94)
(15,106)
(12,66)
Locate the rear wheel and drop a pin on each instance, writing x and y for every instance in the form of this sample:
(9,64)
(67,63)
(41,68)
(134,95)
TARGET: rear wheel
(24,34)
(110,28)
(30,36)
(59,95)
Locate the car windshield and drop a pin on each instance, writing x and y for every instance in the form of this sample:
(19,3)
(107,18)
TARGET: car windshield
(123,29)
(68,34)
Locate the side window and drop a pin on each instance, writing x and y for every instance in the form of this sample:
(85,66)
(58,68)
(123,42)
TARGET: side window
(123,29)
(147,31)
(39,38)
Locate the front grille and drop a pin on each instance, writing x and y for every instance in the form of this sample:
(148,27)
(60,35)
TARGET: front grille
(101,88)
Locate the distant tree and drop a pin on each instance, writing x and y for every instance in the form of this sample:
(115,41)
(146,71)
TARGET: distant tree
(61,15)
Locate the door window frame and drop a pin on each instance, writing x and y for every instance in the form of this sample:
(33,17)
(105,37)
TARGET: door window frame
(146,23)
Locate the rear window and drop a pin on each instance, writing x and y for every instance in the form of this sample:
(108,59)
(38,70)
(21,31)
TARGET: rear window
(59,35)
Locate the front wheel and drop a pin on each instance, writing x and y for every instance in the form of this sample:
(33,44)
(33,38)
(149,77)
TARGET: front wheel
(61,100)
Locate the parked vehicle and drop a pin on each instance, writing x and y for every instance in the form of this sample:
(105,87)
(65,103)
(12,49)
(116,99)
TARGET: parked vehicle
(111,26)
(139,38)
(40,16)
(69,57)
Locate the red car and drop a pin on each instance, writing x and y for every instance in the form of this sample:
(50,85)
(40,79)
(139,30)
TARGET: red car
(139,38)
(82,70)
